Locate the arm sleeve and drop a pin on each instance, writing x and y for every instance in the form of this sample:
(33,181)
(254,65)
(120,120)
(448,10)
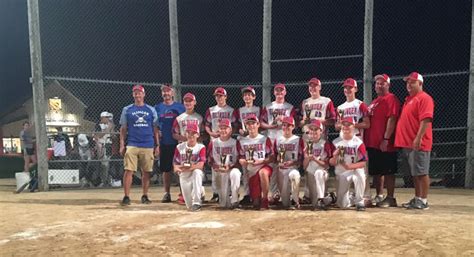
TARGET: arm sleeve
(426,108)
(176,157)
(330,111)
(362,153)
(202,154)
(123,116)
(364,110)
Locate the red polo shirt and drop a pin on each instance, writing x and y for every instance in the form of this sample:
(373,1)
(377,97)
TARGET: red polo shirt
(415,109)
(380,110)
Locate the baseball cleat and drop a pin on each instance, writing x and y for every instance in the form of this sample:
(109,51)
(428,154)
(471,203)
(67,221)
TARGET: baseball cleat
(125,201)
(145,199)
(166,198)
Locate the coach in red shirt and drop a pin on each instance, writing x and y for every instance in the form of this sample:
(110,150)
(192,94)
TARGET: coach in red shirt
(379,139)
(414,134)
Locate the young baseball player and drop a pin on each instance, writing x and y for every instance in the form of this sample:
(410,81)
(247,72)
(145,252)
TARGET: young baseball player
(248,95)
(223,160)
(272,115)
(255,153)
(213,115)
(349,158)
(288,149)
(316,163)
(189,159)
(190,116)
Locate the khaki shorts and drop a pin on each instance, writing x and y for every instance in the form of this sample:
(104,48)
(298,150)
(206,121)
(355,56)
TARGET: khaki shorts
(137,157)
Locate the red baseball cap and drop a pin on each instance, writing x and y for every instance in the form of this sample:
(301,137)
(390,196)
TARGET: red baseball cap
(288,120)
(315,124)
(279,85)
(348,120)
(192,127)
(166,87)
(314,81)
(384,76)
(139,88)
(225,123)
(248,89)
(189,96)
(350,82)
(220,91)
(414,76)
(251,117)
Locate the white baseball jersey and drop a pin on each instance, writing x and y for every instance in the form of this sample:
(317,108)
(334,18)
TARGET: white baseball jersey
(243,112)
(215,113)
(354,151)
(321,108)
(198,155)
(262,146)
(180,123)
(293,146)
(357,110)
(322,149)
(217,148)
(283,109)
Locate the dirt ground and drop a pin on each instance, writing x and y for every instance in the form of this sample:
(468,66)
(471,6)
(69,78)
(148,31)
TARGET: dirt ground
(91,223)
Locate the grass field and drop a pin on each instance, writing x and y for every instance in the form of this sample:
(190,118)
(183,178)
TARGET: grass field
(91,223)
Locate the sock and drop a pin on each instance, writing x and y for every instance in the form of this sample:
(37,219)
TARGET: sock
(380,196)
(424,200)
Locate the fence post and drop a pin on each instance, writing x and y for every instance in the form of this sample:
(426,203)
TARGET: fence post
(469,179)
(267,52)
(368,30)
(39,102)
(175,63)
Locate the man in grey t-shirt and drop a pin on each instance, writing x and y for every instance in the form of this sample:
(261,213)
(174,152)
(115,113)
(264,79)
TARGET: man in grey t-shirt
(27,147)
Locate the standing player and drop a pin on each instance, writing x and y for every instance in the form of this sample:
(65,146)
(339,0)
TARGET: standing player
(255,153)
(189,159)
(272,115)
(349,158)
(190,116)
(288,149)
(139,127)
(316,163)
(415,135)
(319,108)
(241,114)
(213,115)
(379,139)
(167,112)
(27,146)
(223,159)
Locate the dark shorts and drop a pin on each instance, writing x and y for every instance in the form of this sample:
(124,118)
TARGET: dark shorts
(382,163)
(166,157)
(418,162)
(29,151)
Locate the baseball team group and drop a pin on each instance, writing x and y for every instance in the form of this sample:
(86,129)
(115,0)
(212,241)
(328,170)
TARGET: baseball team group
(258,148)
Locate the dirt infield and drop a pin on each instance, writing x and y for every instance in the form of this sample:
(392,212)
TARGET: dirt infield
(91,223)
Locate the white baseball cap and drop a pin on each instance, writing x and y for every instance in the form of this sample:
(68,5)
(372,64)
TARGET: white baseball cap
(106,114)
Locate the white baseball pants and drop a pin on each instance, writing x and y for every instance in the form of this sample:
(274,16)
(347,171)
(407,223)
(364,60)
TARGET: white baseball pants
(316,184)
(289,183)
(228,182)
(344,179)
(191,186)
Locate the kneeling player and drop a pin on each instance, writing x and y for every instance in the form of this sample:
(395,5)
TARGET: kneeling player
(222,159)
(189,159)
(316,163)
(255,153)
(350,158)
(289,151)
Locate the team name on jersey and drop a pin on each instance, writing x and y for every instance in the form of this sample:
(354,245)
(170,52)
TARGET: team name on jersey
(350,150)
(279,111)
(247,114)
(220,115)
(317,107)
(288,147)
(224,149)
(256,147)
(352,111)
(185,123)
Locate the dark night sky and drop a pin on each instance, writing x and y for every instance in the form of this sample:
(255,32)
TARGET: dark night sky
(221,41)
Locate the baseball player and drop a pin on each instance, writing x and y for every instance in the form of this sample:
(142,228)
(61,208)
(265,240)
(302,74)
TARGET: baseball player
(223,160)
(288,149)
(189,159)
(188,117)
(272,115)
(349,158)
(213,115)
(248,95)
(319,108)
(255,155)
(317,152)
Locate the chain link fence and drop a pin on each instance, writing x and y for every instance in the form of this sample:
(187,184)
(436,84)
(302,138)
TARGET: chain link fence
(93,51)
